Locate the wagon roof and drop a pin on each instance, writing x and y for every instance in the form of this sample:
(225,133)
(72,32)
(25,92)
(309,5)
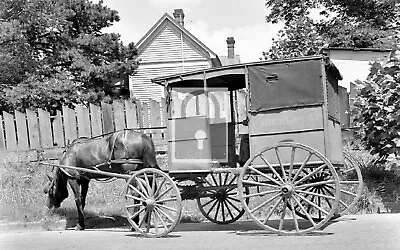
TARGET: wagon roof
(232,76)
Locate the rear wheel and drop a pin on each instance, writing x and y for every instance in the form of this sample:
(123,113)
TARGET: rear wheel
(287,176)
(219,202)
(351,184)
(153,203)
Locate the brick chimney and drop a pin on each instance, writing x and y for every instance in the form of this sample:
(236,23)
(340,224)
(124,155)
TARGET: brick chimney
(179,16)
(231,47)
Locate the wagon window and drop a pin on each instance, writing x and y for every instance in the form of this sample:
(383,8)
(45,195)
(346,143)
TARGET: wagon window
(189,102)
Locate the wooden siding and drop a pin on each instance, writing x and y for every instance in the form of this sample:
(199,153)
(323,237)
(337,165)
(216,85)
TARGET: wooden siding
(142,87)
(170,52)
(171,45)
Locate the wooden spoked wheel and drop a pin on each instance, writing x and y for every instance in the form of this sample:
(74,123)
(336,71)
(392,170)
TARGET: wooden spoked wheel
(153,202)
(288,175)
(351,184)
(219,202)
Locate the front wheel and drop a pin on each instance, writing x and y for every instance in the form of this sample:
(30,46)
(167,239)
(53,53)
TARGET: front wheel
(153,203)
(287,177)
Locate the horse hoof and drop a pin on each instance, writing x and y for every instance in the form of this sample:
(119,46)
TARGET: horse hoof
(79,228)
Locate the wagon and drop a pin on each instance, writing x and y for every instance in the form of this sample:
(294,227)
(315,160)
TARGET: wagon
(297,177)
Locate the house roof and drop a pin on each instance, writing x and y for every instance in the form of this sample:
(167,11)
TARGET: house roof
(149,36)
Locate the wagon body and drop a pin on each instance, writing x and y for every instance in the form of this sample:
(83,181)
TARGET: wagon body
(288,100)
(296,101)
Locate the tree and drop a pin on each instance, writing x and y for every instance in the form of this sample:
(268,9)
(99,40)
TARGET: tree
(53,53)
(377,111)
(341,23)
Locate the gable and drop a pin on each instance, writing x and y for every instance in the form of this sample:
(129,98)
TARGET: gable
(171,45)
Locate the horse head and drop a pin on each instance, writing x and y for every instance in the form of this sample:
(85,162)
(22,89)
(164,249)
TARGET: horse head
(56,191)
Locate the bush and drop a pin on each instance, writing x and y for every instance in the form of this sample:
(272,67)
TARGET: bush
(377,112)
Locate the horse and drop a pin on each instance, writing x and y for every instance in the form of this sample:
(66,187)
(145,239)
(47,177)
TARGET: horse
(101,153)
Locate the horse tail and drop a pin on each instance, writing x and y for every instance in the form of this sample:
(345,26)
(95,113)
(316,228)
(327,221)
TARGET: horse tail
(149,153)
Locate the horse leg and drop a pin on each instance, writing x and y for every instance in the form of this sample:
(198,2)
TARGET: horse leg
(84,189)
(78,201)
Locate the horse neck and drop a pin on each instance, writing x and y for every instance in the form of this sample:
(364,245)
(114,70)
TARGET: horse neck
(60,180)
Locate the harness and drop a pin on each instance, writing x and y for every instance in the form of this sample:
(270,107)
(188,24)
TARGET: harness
(110,160)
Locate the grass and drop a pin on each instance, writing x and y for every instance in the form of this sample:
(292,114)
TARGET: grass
(22,199)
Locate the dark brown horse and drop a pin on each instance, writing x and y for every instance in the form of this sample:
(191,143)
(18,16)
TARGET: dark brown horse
(103,153)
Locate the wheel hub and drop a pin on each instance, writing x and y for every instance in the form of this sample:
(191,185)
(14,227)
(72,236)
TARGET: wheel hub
(149,203)
(287,190)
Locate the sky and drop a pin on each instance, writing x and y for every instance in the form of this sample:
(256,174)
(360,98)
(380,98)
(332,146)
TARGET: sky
(211,21)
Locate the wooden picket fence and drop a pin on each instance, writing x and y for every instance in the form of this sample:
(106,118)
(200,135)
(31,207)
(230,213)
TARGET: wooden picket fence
(38,130)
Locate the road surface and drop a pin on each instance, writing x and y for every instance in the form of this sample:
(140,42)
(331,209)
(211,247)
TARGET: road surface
(376,231)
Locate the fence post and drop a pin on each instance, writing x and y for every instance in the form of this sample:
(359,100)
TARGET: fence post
(119,116)
(46,137)
(108,124)
(131,115)
(95,120)
(33,128)
(11,138)
(2,141)
(22,131)
(58,135)
(71,132)
(82,115)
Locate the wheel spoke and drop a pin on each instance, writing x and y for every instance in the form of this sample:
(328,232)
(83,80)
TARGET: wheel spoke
(319,183)
(296,223)
(316,194)
(160,219)
(347,192)
(265,203)
(350,182)
(272,210)
(233,205)
(254,183)
(140,185)
(147,183)
(283,214)
(264,175)
(272,169)
(167,207)
(343,204)
(312,204)
(261,193)
(166,215)
(302,166)
(217,210)
(304,211)
(291,163)
(163,193)
(213,205)
(311,173)
(280,163)
(159,189)
(167,200)
(228,209)
(134,197)
(137,191)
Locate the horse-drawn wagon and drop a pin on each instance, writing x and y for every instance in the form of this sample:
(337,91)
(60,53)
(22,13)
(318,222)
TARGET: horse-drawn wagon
(297,177)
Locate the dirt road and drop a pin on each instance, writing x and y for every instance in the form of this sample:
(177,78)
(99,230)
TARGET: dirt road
(377,231)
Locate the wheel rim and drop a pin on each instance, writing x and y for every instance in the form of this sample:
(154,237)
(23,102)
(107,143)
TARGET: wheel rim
(220,204)
(155,199)
(351,184)
(282,177)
